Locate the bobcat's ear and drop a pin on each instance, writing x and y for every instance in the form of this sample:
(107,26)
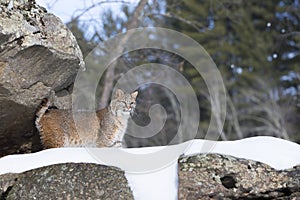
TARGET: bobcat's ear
(119,93)
(134,94)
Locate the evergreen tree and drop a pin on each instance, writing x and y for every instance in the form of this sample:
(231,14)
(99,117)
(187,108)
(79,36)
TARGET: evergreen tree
(245,40)
(255,45)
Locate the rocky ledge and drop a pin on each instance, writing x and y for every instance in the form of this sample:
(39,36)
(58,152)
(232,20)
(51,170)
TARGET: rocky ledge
(66,181)
(201,176)
(214,176)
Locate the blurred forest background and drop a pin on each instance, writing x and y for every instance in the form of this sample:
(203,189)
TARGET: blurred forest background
(255,45)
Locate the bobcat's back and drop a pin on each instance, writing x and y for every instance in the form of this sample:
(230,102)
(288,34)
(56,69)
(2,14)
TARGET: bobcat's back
(57,129)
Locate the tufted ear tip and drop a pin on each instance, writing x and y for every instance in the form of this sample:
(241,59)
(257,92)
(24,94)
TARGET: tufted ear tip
(118,93)
(134,94)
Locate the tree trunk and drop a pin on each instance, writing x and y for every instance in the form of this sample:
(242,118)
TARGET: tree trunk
(110,72)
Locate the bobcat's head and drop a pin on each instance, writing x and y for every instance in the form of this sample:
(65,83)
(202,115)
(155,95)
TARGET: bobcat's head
(122,103)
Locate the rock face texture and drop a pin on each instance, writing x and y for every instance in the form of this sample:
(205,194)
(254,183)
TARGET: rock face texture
(202,176)
(38,54)
(67,181)
(213,176)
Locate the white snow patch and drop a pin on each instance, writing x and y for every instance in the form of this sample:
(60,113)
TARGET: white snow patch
(162,183)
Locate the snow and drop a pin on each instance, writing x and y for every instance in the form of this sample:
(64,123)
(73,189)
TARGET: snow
(161,181)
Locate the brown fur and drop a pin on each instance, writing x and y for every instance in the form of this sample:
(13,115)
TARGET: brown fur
(106,128)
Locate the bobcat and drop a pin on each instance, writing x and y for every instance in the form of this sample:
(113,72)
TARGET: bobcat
(105,128)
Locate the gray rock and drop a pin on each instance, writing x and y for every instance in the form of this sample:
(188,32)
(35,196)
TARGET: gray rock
(63,100)
(6,183)
(213,176)
(67,181)
(38,54)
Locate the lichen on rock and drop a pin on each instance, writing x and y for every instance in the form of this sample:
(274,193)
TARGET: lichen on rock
(67,181)
(215,176)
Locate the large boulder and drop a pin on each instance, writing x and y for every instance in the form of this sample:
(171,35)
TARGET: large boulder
(200,176)
(38,54)
(67,181)
(215,176)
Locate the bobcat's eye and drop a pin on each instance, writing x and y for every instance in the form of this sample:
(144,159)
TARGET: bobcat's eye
(126,105)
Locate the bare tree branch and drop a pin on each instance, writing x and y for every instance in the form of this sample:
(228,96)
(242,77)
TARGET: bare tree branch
(196,25)
(85,10)
(234,117)
(110,72)
(265,110)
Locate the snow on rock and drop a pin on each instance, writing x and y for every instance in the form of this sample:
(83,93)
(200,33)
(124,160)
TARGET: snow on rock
(278,153)
(161,182)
